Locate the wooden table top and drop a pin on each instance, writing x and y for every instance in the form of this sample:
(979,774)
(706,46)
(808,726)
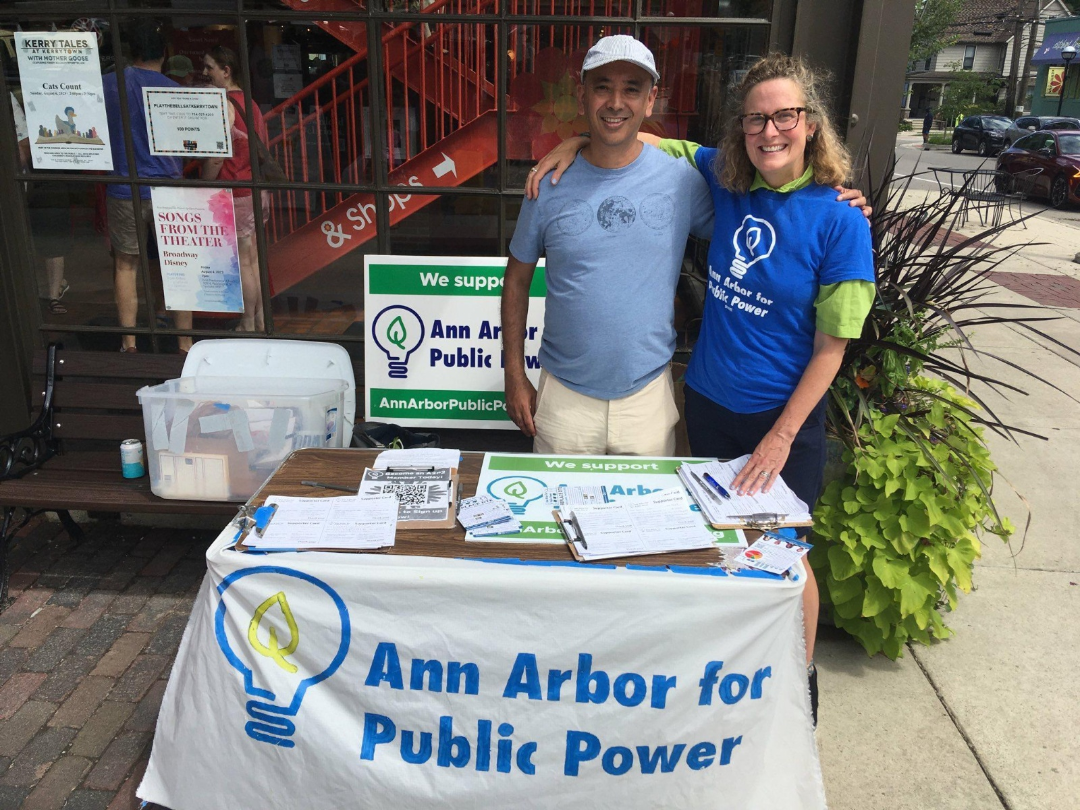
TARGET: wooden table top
(346,468)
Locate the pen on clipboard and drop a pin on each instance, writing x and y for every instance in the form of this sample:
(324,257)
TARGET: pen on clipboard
(338,487)
(702,484)
(716,485)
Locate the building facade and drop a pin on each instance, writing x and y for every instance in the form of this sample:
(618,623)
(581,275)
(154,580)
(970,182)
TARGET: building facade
(399,126)
(1057,84)
(987,31)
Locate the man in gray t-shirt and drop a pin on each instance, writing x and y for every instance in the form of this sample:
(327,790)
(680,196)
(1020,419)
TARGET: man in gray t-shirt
(613,233)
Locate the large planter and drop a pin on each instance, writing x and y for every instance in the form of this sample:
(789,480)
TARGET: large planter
(896,531)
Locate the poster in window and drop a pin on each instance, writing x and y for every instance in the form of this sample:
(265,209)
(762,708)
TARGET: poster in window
(1054,77)
(196,237)
(188,122)
(63,100)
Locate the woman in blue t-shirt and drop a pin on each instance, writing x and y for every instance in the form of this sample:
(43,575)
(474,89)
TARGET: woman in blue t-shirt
(790,281)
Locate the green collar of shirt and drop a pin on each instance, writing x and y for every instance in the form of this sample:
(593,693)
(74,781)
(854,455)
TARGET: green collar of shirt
(806,179)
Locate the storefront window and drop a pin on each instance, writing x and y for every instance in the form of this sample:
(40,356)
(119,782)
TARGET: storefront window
(401,126)
(740,9)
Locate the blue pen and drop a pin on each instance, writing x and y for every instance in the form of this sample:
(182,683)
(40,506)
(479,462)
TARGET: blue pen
(716,485)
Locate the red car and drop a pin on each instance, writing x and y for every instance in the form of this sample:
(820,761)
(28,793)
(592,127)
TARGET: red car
(1057,153)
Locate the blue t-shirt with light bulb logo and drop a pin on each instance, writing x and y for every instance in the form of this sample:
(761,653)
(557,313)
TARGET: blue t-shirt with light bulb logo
(770,253)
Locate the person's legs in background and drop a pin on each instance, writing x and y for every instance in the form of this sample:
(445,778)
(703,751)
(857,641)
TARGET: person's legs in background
(57,284)
(183,321)
(244,214)
(123,233)
(125,290)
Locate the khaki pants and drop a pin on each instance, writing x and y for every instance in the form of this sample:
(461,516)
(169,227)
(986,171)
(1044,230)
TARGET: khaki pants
(569,423)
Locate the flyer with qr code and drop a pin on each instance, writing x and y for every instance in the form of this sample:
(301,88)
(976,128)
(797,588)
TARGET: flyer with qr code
(188,121)
(423,494)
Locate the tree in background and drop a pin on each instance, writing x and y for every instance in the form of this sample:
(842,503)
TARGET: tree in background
(931,34)
(968,93)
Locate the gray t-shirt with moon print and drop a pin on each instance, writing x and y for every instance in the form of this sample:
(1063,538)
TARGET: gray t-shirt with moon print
(613,242)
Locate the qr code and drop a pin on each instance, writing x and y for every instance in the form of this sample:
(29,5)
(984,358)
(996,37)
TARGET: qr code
(410,494)
(221,144)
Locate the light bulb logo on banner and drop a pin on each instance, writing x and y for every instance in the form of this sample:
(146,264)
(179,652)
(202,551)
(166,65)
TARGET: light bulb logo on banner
(753,241)
(279,657)
(517,490)
(398,332)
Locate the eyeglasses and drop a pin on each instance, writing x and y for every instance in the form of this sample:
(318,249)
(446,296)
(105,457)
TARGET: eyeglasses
(783,120)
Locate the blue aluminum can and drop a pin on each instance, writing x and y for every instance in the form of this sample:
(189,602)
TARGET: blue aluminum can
(131,458)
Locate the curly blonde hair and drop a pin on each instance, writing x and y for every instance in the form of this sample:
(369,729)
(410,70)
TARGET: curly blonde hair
(825,151)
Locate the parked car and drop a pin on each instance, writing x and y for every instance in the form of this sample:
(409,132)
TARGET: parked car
(1057,154)
(1026,124)
(982,133)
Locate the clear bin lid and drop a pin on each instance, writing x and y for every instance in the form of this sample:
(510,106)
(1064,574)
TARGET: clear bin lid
(224,387)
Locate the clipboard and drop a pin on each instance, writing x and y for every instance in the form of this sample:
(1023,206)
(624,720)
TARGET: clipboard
(453,497)
(761,521)
(253,520)
(567,537)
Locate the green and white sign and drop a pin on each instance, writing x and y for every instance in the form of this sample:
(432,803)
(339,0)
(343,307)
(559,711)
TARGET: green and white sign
(522,479)
(433,350)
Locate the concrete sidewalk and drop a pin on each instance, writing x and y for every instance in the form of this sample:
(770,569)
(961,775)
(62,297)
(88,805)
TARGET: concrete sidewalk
(988,719)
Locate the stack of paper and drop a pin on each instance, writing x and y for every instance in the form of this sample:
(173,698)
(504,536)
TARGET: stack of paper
(348,522)
(654,524)
(710,485)
(485,516)
(422,493)
(418,457)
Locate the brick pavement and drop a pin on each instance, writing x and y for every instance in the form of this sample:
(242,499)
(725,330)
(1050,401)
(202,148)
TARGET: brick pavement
(1048,289)
(87,638)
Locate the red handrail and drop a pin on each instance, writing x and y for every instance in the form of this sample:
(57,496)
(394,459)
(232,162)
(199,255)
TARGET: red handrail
(438,78)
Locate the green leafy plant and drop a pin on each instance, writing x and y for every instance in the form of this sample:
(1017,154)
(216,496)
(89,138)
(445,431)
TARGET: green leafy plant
(904,520)
(897,534)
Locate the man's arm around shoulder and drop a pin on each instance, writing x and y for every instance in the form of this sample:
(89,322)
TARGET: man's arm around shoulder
(520,393)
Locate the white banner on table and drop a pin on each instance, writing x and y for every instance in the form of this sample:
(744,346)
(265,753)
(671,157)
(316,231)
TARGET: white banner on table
(433,355)
(326,680)
(521,479)
(196,236)
(63,100)
(188,121)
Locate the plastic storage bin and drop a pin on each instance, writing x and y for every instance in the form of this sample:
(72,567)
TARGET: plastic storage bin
(220,438)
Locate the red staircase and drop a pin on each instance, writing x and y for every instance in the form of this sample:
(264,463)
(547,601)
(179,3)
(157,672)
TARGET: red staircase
(440,91)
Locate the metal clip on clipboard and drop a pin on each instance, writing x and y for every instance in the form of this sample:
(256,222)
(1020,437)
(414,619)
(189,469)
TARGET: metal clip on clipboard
(762,521)
(252,518)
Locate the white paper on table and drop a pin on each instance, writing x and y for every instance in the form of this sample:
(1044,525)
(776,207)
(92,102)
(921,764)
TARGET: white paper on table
(437,457)
(352,522)
(780,499)
(421,493)
(654,524)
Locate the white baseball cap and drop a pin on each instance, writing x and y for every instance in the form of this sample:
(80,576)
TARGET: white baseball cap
(620,48)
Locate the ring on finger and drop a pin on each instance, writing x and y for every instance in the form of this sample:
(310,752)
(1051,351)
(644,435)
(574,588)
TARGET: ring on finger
(764,474)
(533,169)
